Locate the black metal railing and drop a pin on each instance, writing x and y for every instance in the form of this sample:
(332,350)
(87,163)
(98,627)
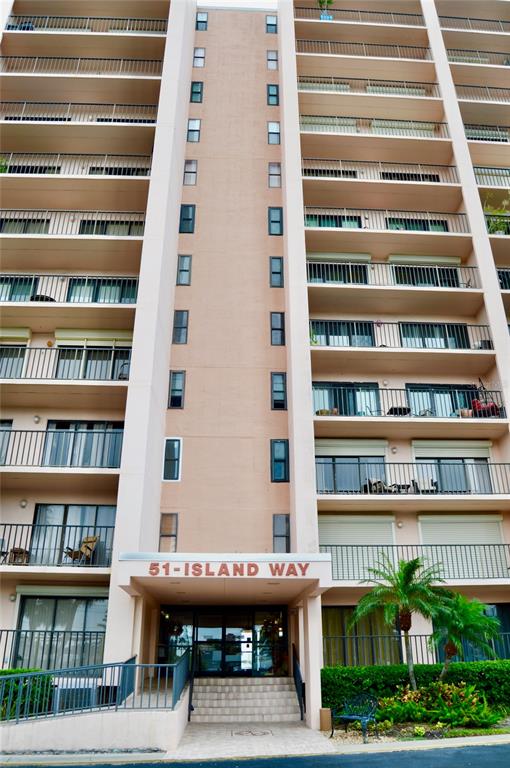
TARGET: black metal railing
(352,562)
(498,224)
(504,278)
(59,65)
(476,132)
(465,56)
(68,289)
(49,648)
(379,171)
(465,477)
(333,48)
(402,335)
(94,448)
(56,545)
(330,399)
(67,112)
(492,177)
(475,25)
(64,164)
(84,223)
(384,274)
(298,682)
(65,363)
(406,221)
(365,17)
(368,86)
(373,126)
(93,24)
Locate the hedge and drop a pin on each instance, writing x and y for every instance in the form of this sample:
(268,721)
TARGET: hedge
(490,677)
(30,695)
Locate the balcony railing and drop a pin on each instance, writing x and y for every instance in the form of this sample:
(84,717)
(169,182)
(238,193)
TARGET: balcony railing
(395,275)
(498,224)
(487,132)
(62,164)
(362,17)
(66,112)
(84,223)
(482,93)
(367,650)
(382,220)
(368,86)
(379,171)
(373,126)
(68,289)
(418,402)
(49,649)
(361,334)
(504,278)
(492,177)
(464,477)
(352,562)
(57,65)
(461,56)
(56,545)
(333,48)
(475,25)
(94,448)
(94,24)
(64,364)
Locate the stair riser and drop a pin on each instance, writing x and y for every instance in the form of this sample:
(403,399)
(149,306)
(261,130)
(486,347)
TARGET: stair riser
(245,719)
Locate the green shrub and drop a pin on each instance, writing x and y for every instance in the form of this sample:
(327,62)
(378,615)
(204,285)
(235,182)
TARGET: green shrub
(26,695)
(491,678)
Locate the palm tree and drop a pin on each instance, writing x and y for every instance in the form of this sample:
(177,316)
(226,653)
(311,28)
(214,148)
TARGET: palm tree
(401,591)
(462,620)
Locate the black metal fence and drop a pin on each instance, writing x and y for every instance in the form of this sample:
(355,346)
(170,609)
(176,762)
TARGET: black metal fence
(100,448)
(56,545)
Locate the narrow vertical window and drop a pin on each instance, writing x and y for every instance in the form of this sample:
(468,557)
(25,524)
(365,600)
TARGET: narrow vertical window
(199,57)
(276,271)
(168,532)
(279,461)
(273,95)
(274,171)
(271,25)
(273,133)
(172,458)
(281,533)
(278,391)
(272,59)
(190,173)
(180,329)
(275,221)
(201,21)
(197,92)
(183,270)
(176,389)
(187,219)
(193,134)
(277,329)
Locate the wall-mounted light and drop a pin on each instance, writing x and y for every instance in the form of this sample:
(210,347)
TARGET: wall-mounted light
(12,598)
(37,419)
(400,524)
(394,448)
(385,383)
(23,503)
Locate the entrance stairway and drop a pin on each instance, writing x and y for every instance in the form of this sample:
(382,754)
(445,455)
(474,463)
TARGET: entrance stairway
(244,700)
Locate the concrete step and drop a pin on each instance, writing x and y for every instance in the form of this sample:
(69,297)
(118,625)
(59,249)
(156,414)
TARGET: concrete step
(276,696)
(252,711)
(259,690)
(265,718)
(243,681)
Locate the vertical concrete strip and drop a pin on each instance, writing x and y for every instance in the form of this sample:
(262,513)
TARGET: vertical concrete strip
(5,12)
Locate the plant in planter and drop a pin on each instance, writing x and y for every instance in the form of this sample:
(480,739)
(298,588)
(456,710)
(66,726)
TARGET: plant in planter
(4,166)
(498,221)
(324,5)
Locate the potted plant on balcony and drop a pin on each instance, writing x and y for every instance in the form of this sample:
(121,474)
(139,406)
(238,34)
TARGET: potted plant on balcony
(324,5)
(497,221)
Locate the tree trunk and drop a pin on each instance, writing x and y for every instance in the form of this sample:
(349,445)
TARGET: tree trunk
(450,650)
(410,662)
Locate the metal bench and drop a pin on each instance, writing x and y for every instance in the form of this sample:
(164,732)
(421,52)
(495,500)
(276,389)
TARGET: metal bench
(360,709)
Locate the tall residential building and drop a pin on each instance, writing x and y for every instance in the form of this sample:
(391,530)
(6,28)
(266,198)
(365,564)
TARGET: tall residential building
(255,295)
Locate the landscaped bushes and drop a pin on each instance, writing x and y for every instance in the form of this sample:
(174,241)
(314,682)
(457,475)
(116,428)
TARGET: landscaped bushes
(491,678)
(24,695)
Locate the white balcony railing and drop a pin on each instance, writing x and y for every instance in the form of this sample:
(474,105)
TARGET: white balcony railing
(374,126)
(68,289)
(408,221)
(81,24)
(492,177)
(62,164)
(474,25)
(361,17)
(58,65)
(333,48)
(85,223)
(376,171)
(67,112)
(482,93)
(462,56)
(368,86)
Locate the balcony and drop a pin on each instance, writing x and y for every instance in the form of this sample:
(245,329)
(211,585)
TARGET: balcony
(37,223)
(67,112)
(461,56)
(415,129)
(492,177)
(68,289)
(482,93)
(498,224)
(61,448)
(504,278)
(49,649)
(62,164)
(85,24)
(64,364)
(417,173)
(360,17)
(365,50)
(385,220)
(58,65)
(368,86)
(474,25)
(500,133)
(74,546)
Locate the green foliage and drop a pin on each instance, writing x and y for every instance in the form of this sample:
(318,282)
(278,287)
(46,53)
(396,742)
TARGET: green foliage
(24,694)
(419,730)
(324,4)
(454,733)
(3,165)
(491,678)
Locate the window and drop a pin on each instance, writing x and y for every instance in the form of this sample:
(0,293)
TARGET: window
(180,330)
(455,475)
(183,270)
(275,221)
(193,134)
(277,329)
(11,362)
(346,399)
(281,533)
(276,272)
(342,333)
(93,363)
(168,532)
(187,219)
(273,96)
(111,227)
(107,290)
(83,444)
(271,25)
(279,391)
(273,133)
(416,224)
(201,21)
(279,461)
(190,173)
(172,459)
(350,474)
(275,174)
(60,529)
(441,400)
(272,59)
(437,336)
(14,226)
(197,92)
(176,389)
(199,57)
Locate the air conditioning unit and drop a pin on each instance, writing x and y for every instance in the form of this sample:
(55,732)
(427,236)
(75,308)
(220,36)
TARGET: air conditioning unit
(75,693)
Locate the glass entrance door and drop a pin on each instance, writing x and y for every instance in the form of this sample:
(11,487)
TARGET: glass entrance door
(223,643)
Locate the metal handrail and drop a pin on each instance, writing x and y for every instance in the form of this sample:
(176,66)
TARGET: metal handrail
(56,545)
(47,648)
(298,682)
(64,164)
(373,126)
(95,24)
(83,223)
(466,56)
(379,219)
(492,176)
(70,112)
(482,93)
(504,278)
(65,363)
(68,289)
(93,448)
(395,275)
(419,478)
(352,562)
(367,17)
(409,334)
(379,171)
(334,48)
(498,224)
(60,65)
(476,25)
(368,86)
(476,132)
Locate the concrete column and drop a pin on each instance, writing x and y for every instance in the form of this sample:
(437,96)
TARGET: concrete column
(313,657)
(5,12)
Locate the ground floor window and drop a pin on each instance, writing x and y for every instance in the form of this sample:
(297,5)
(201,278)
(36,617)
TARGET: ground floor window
(370,642)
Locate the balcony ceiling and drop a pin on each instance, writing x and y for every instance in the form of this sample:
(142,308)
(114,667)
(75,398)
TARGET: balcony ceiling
(95,89)
(81,193)
(395,428)
(106,46)
(360,32)
(78,137)
(490,153)
(478,112)
(33,480)
(393,149)
(156,9)
(480,74)
(26,254)
(93,395)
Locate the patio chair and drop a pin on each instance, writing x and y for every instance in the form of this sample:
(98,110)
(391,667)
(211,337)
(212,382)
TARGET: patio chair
(424,485)
(361,708)
(376,486)
(85,552)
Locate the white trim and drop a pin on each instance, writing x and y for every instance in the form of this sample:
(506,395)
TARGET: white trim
(358,258)
(333,447)
(438,261)
(461,449)
(163,478)
(464,518)
(55,591)
(226,557)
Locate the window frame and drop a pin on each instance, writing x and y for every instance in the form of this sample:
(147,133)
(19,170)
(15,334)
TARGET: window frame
(193,133)
(200,22)
(272,176)
(273,95)
(273,283)
(196,92)
(285,461)
(271,224)
(186,327)
(183,219)
(170,536)
(190,174)
(182,271)
(172,373)
(281,536)
(271,24)
(270,60)
(274,374)
(275,329)
(197,58)
(164,479)
(271,132)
